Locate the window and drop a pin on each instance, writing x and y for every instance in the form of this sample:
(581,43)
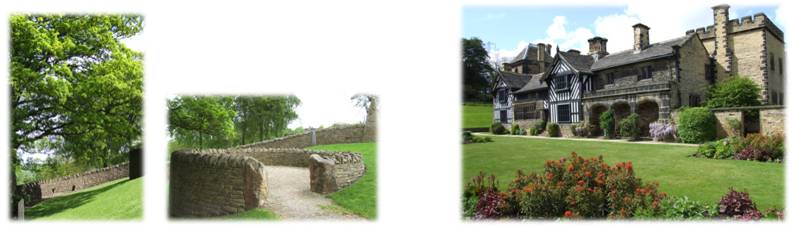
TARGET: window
(772,61)
(531,111)
(503,116)
(693,100)
(563,113)
(502,96)
(646,73)
(710,73)
(560,82)
(610,78)
(781,66)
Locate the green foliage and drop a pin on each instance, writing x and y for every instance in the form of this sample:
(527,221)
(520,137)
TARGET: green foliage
(475,67)
(538,128)
(498,129)
(607,123)
(516,130)
(73,81)
(553,130)
(735,91)
(679,208)
(629,127)
(253,214)
(696,125)
(224,121)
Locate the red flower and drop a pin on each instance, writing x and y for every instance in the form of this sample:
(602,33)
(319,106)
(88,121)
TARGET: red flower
(568,214)
(570,168)
(549,176)
(580,182)
(629,166)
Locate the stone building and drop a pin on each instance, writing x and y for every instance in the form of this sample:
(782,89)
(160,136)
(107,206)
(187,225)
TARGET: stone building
(751,46)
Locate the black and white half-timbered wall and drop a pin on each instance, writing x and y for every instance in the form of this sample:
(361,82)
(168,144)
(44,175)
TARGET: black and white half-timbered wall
(567,79)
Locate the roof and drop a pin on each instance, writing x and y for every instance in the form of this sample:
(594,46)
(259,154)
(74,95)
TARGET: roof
(535,83)
(581,63)
(514,80)
(521,56)
(654,51)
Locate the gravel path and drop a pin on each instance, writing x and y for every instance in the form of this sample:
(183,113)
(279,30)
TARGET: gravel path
(290,198)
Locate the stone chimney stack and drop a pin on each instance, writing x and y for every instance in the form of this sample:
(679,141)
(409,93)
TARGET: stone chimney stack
(641,37)
(721,18)
(541,54)
(597,47)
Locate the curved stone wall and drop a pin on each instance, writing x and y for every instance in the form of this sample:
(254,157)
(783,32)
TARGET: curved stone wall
(210,183)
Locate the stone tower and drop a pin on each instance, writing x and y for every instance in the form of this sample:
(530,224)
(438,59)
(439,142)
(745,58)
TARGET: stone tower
(722,53)
(641,37)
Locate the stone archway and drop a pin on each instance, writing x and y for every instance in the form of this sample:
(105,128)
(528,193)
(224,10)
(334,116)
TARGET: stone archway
(648,113)
(594,118)
(621,110)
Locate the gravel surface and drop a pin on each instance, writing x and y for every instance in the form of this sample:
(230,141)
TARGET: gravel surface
(290,198)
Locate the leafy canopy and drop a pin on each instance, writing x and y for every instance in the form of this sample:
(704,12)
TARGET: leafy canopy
(475,68)
(736,91)
(74,83)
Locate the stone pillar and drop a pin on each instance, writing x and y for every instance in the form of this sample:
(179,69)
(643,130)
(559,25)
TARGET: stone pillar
(21,210)
(322,174)
(721,17)
(313,136)
(641,37)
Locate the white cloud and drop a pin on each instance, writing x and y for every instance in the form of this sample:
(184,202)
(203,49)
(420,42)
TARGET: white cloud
(326,109)
(782,16)
(558,34)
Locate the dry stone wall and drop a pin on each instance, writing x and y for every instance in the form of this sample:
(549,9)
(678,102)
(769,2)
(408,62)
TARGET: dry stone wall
(223,181)
(37,191)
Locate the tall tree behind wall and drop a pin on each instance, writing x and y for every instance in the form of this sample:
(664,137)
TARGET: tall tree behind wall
(74,83)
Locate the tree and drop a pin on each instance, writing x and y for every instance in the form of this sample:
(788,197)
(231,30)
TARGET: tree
(475,68)
(261,118)
(365,101)
(736,91)
(73,81)
(201,121)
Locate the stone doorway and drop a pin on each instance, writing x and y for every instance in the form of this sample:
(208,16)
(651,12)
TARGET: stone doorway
(648,113)
(594,118)
(621,111)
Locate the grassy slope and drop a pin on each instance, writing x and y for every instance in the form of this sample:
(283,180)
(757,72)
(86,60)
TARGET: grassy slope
(253,214)
(115,200)
(477,115)
(698,178)
(360,197)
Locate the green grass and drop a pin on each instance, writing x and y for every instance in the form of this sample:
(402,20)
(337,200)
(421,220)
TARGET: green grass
(359,198)
(477,115)
(115,200)
(253,214)
(698,178)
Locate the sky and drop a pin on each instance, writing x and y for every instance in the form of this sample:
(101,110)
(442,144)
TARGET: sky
(325,109)
(508,29)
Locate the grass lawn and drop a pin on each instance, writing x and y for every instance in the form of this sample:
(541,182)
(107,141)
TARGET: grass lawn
(698,178)
(253,214)
(477,115)
(361,197)
(115,200)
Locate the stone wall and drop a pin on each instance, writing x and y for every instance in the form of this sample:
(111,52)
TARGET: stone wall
(37,191)
(209,183)
(348,134)
(772,120)
(724,127)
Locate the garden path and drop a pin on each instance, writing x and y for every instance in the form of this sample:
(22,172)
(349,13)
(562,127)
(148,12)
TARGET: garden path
(599,139)
(290,198)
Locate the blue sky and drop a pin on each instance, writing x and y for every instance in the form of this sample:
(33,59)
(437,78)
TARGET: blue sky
(509,28)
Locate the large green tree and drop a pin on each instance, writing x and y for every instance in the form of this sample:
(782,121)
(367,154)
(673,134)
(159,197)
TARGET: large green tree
(202,121)
(264,117)
(74,83)
(475,68)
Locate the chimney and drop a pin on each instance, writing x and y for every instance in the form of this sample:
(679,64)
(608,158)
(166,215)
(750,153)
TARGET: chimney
(721,18)
(541,56)
(641,37)
(597,47)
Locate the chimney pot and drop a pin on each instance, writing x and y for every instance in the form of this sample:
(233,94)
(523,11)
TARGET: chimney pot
(641,37)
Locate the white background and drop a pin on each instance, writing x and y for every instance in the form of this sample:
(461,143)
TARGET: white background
(406,52)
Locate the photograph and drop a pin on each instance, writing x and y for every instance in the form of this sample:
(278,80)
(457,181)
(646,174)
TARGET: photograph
(76,115)
(623,112)
(290,157)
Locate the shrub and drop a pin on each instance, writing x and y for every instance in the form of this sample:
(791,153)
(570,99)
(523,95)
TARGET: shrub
(481,139)
(772,146)
(553,130)
(662,131)
(474,190)
(735,91)
(490,205)
(581,188)
(738,205)
(537,128)
(467,137)
(572,130)
(607,123)
(696,125)
(629,127)
(735,126)
(754,147)
(720,149)
(515,129)
(676,208)
(499,129)
(582,131)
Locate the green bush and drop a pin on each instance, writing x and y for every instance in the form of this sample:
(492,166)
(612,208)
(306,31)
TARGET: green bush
(696,125)
(679,208)
(629,127)
(537,128)
(499,129)
(481,139)
(516,130)
(735,91)
(607,123)
(553,130)
(467,136)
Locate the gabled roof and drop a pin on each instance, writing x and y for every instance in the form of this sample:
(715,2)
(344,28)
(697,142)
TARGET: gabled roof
(579,63)
(535,83)
(521,56)
(513,80)
(654,51)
